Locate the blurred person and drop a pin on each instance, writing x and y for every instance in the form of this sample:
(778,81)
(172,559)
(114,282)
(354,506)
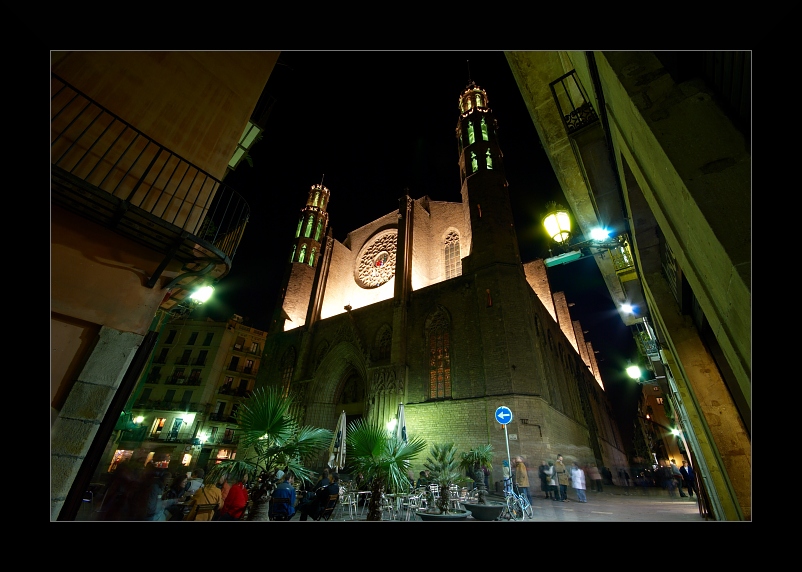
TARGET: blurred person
(522,478)
(544,479)
(594,476)
(578,482)
(234,505)
(148,502)
(195,481)
(321,497)
(561,478)
(124,482)
(677,476)
(206,495)
(423,481)
(177,490)
(506,476)
(411,479)
(552,482)
(689,477)
(223,485)
(284,489)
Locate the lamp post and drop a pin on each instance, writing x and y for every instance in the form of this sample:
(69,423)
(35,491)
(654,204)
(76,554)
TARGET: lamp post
(557,223)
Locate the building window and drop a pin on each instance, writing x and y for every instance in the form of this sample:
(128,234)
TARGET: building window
(162,357)
(201,359)
(317,196)
(209,338)
(192,338)
(194,377)
(489,160)
(298,230)
(438,333)
(292,255)
(471,134)
(484,129)
(185,357)
(170,337)
(303,254)
(248,366)
(312,257)
(319,228)
(474,162)
(384,343)
(308,231)
(255,347)
(452,256)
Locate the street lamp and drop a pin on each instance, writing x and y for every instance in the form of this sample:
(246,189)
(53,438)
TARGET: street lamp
(635,372)
(557,223)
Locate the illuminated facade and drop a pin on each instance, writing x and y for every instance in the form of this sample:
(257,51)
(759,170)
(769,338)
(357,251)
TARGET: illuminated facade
(430,305)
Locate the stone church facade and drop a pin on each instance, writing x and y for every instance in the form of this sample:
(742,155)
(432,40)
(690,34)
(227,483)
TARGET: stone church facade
(431,306)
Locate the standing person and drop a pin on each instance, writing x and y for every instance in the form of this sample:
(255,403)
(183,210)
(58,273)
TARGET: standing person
(595,477)
(561,474)
(148,501)
(690,478)
(284,489)
(677,476)
(578,482)
(506,477)
(542,473)
(551,481)
(234,505)
(522,478)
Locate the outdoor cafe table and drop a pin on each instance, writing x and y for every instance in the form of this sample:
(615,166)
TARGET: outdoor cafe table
(398,498)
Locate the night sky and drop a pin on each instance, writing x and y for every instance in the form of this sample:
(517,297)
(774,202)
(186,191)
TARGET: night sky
(371,125)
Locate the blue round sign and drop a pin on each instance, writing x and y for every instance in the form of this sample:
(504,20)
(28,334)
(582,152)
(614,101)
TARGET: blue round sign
(503,415)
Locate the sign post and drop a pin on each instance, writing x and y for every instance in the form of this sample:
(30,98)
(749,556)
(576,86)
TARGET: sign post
(504,416)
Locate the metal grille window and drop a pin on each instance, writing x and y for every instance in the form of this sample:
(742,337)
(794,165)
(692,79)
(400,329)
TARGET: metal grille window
(439,339)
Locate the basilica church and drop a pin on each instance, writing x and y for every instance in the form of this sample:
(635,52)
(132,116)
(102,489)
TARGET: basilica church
(430,306)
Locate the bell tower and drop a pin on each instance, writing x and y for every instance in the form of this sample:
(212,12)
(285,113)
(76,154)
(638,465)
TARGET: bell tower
(303,261)
(484,184)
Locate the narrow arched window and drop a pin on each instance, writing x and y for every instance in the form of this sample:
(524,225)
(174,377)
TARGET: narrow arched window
(488,160)
(317,196)
(308,230)
(451,255)
(302,256)
(287,369)
(312,257)
(474,162)
(471,134)
(298,230)
(292,256)
(438,334)
(484,129)
(319,228)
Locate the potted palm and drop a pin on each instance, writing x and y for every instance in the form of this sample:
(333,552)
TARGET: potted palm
(271,438)
(382,458)
(443,464)
(473,460)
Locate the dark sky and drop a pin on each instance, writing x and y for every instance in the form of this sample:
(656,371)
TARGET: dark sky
(372,124)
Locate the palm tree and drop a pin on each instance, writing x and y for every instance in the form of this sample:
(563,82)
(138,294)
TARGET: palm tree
(382,458)
(481,456)
(444,465)
(272,439)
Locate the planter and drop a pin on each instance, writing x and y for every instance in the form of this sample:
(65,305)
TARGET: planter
(449,516)
(489,511)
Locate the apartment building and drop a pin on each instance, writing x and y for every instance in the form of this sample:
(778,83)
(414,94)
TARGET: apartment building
(183,411)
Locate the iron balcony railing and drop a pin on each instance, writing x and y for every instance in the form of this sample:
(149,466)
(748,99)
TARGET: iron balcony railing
(108,171)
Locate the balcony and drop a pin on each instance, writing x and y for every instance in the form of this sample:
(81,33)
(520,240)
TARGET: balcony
(154,405)
(222,417)
(108,172)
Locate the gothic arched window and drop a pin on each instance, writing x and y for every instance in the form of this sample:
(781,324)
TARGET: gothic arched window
(438,338)
(302,256)
(471,134)
(312,257)
(474,163)
(319,228)
(384,343)
(451,255)
(292,256)
(308,230)
(488,160)
(484,129)
(287,369)
(298,230)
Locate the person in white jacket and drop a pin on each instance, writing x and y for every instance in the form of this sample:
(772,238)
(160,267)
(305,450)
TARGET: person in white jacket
(578,482)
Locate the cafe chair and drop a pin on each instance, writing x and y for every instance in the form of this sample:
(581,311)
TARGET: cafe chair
(204,508)
(348,499)
(331,504)
(278,508)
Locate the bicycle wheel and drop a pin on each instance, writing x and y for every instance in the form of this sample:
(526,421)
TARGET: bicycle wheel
(526,506)
(514,509)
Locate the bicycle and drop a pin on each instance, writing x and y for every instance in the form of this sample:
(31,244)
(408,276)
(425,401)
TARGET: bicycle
(512,505)
(526,506)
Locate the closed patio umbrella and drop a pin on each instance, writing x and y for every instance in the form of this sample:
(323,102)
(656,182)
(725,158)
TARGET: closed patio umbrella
(337,448)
